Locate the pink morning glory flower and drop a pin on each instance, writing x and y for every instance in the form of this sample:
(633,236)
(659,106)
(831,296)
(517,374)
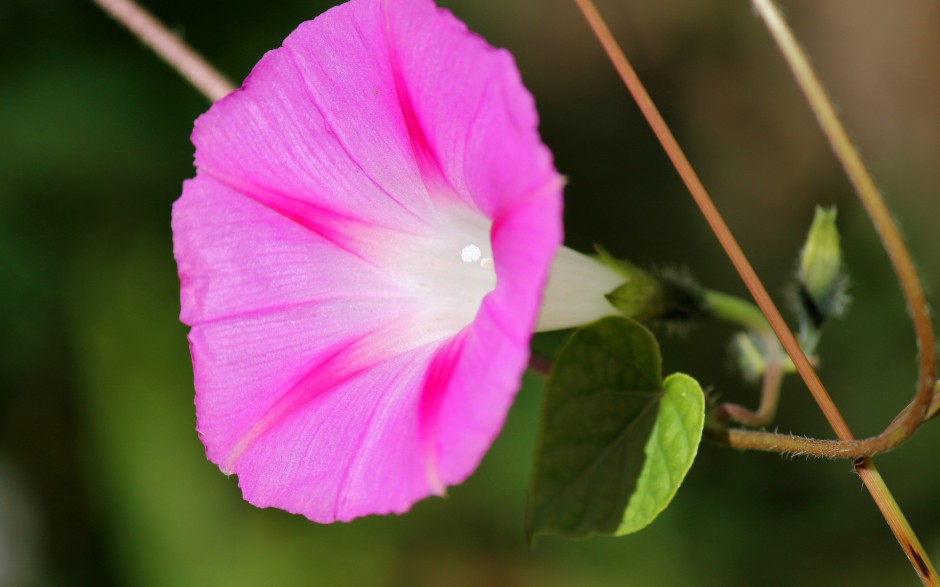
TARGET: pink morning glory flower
(362,256)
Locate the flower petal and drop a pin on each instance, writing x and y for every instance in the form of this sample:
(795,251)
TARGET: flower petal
(413,423)
(333,254)
(469,412)
(346,453)
(270,301)
(387,100)
(271,140)
(466,103)
(236,256)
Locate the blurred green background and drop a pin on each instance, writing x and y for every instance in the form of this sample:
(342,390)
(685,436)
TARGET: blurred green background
(102,478)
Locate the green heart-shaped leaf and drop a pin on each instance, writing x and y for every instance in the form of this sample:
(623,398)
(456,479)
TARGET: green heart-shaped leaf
(615,442)
(670,451)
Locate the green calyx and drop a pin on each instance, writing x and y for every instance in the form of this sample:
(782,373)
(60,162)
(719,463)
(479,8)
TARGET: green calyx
(670,296)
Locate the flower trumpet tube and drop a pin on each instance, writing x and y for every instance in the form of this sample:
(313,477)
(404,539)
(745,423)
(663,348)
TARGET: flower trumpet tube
(362,256)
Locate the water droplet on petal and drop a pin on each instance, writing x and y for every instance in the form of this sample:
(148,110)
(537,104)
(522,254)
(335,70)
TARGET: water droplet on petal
(471,253)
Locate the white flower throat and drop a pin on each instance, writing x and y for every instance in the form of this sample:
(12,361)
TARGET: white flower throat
(449,269)
(446,270)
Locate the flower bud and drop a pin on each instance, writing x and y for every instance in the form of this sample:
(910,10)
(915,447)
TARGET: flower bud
(822,279)
(750,355)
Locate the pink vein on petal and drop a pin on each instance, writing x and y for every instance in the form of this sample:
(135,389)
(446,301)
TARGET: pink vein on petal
(360,442)
(290,401)
(436,383)
(321,379)
(329,125)
(429,166)
(264,311)
(299,212)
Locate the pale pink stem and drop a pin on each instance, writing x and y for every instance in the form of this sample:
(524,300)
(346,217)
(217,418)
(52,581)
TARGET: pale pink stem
(168,46)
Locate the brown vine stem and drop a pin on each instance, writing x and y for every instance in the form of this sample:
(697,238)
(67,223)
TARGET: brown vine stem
(714,219)
(900,258)
(873,481)
(934,408)
(169,47)
(871,199)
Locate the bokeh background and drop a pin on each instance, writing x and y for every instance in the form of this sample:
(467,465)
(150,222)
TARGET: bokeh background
(102,478)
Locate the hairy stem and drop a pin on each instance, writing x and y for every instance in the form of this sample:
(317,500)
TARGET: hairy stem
(169,47)
(800,445)
(865,467)
(871,199)
(902,530)
(916,412)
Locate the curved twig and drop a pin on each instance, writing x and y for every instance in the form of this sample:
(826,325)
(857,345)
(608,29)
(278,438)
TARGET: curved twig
(914,414)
